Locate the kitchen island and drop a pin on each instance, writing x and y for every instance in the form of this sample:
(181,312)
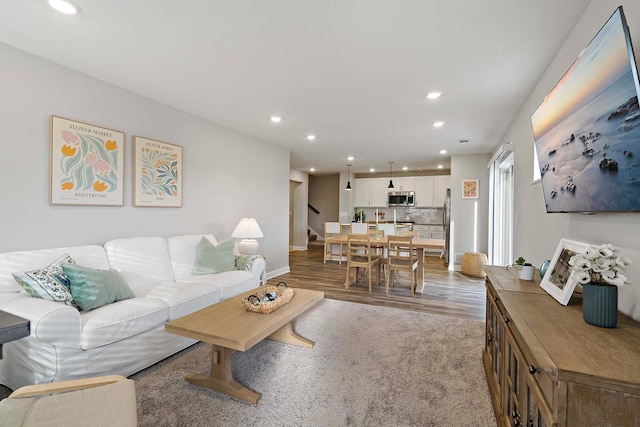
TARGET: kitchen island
(401,226)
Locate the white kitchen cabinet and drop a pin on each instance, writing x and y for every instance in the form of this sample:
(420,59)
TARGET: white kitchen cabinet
(430,232)
(430,190)
(379,192)
(440,185)
(423,231)
(370,192)
(436,232)
(424,191)
(404,183)
(362,188)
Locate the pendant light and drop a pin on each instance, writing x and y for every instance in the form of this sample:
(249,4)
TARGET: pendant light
(391,187)
(349,179)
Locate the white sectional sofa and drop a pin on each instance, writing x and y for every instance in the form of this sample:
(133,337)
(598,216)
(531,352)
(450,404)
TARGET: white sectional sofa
(122,337)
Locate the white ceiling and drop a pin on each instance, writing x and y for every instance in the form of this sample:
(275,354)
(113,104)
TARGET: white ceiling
(353,72)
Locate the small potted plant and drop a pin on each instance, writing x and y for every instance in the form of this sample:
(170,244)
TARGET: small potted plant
(525,269)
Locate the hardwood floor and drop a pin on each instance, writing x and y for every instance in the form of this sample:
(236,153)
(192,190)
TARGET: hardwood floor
(448,293)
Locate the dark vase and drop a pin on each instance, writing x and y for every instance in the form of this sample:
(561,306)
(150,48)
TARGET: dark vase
(600,305)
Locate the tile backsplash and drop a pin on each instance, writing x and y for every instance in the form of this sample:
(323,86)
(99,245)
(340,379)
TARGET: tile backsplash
(418,215)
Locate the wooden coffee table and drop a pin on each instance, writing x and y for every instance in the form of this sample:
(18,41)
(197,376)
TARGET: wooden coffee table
(228,327)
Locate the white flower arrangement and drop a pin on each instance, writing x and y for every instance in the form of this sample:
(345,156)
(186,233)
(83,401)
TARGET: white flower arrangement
(600,265)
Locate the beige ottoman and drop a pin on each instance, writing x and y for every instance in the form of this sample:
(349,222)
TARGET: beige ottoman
(98,402)
(472,263)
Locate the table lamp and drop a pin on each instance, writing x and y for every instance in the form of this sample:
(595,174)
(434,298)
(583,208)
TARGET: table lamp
(248,230)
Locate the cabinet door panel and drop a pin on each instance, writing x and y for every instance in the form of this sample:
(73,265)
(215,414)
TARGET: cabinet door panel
(440,185)
(407,183)
(587,403)
(538,413)
(515,408)
(424,191)
(362,190)
(379,192)
(436,235)
(495,349)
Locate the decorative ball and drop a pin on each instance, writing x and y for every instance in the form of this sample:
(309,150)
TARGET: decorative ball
(544,266)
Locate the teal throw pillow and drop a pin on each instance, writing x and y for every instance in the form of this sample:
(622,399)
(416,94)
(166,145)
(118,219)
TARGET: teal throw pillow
(48,283)
(94,288)
(214,259)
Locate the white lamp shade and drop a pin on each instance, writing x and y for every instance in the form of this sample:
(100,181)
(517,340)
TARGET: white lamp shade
(247,228)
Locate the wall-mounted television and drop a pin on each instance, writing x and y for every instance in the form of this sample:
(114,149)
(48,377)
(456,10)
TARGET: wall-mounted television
(587,129)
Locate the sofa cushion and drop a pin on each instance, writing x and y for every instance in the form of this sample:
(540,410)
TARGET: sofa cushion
(93,288)
(90,255)
(214,258)
(182,298)
(183,251)
(230,283)
(143,256)
(120,320)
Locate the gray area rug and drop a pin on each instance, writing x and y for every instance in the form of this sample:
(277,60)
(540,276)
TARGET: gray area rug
(371,366)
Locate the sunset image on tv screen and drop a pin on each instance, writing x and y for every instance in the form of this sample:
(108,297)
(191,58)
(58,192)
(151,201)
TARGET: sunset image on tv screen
(587,130)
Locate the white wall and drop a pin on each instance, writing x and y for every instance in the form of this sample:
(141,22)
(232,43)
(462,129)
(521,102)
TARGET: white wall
(299,215)
(537,233)
(324,195)
(345,205)
(227,175)
(469,217)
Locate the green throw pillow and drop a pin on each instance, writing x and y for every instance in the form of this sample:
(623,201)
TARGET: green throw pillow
(214,259)
(94,288)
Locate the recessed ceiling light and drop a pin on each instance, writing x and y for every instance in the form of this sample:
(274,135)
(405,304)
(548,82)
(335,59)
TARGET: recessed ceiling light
(405,168)
(440,166)
(63,6)
(350,158)
(372,170)
(276,119)
(434,95)
(312,169)
(438,124)
(443,151)
(311,137)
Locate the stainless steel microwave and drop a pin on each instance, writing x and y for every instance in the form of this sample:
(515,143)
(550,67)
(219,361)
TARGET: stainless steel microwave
(401,198)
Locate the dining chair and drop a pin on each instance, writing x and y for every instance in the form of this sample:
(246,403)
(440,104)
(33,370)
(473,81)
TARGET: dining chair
(332,229)
(401,256)
(359,228)
(376,233)
(361,254)
(389,228)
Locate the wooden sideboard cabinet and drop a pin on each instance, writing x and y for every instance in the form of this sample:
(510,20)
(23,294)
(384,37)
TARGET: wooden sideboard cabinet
(546,367)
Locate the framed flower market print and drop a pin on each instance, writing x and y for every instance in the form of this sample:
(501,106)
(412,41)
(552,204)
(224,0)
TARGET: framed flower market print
(470,189)
(87,164)
(558,280)
(157,173)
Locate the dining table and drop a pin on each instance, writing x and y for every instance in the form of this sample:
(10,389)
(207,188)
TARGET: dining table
(419,243)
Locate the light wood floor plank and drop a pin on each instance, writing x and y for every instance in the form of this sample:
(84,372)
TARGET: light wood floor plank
(447,293)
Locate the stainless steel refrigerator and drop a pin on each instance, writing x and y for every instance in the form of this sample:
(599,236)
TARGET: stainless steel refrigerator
(446,219)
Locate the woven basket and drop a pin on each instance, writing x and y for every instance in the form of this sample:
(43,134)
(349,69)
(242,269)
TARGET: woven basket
(260,302)
(472,262)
